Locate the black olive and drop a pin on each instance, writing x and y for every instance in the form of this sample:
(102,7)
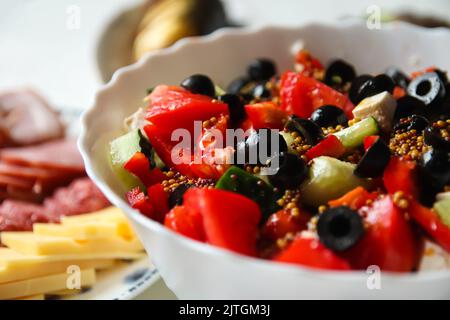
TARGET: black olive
(429,89)
(261,92)
(258,145)
(309,130)
(376,85)
(146,149)
(432,137)
(339,73)
(237,85)
(176,196)
(340,228)
(355,88)
(292,171)
(408,106)
(235,108)
(413,122)
(261,69)
(398,77)
(374,161)
(442,75)
(329,116)
(434,174)
(200,84)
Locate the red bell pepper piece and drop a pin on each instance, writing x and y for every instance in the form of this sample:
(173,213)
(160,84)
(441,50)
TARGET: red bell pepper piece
(301,95)
(266,115)
(311,253)
(185,222)
(173,107)
(388,243)
(431,223)
(330,146)
(307,65)
(137,199)
(398,93)
(139,165)
(159,200)
(354,199)
(283,222)
(400,175)
(226,227)
(369,141)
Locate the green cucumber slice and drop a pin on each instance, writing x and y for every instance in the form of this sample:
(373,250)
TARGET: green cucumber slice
(353,136)
(442,208)
(329,179)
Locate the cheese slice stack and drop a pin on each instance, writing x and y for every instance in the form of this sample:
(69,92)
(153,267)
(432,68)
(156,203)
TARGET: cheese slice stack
(38,263)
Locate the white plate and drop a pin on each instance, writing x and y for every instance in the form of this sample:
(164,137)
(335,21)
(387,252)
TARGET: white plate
(123,282)
(199,271)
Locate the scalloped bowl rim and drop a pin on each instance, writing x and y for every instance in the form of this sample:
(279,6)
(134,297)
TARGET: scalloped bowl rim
(218,35)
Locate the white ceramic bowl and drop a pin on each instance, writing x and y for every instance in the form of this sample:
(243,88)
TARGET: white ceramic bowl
(195,270)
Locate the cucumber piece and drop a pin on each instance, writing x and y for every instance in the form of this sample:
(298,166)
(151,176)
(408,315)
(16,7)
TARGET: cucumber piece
(252,187)
(121,150)
(329,179)
(353,136)
(289,140)
(442,208)
(219,90)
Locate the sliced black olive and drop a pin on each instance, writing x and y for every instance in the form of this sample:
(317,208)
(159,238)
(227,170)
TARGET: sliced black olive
(200,84)
(258,145)
(398,77)
(340,228)
(413,122)
(237,85)
(329,115)
(261,69)
(428,88)
(309,130)
(338,73)
(261,92)
(376,85)
(176,196)
(433,137)
(442,75)
(355,88)
(434,174)
(374,161)
(292,171)
(408,106)
(146,149)
(235,108)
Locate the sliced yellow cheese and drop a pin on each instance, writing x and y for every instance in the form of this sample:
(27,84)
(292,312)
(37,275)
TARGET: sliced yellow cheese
(9,273)
(108,214)
(14,258)
(29,243)
(66,292)
(83,231)
(33,297)
(45,284)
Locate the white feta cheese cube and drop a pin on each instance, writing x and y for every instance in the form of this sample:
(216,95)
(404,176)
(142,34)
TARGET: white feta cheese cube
(381,107)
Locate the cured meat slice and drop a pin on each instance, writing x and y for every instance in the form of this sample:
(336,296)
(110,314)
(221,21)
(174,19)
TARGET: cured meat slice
(26,118)
(60,154)
(32,173)
(20,216)
(24,184)
(81,196)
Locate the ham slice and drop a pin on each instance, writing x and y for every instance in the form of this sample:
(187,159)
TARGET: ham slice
(60,154)
(26,118)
